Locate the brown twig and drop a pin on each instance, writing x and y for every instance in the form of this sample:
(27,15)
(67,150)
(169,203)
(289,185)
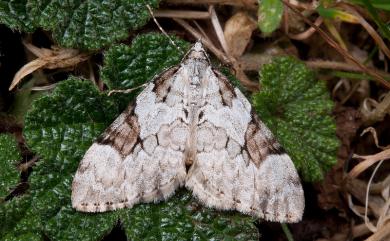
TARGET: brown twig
(250,4)
(23,167)
(350,93)
(220,55)
(201,30)
(255,61)
(306,34)
(335,45)
(161,29)
(335,65)
(181,14)
(370,30)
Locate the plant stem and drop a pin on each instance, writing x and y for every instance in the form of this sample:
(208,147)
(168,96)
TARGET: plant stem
(287,232)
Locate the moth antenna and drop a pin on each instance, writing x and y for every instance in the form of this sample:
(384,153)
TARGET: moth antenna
(162,30)
(202,32)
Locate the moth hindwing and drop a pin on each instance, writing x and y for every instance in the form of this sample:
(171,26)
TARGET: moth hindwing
(190,127)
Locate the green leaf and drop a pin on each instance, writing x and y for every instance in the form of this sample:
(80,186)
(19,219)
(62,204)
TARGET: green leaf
(297,108)
(24,237)
(149,54)
(14,14)
(60,127)
(9,155)
(182,218)
(127,67)
(68,224)
(270,14)
(87,24)
(11,212)
(384,29)
(334,13)
(380,4)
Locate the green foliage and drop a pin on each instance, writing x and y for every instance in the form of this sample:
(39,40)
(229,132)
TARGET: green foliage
(384,29)
(380,4)
(270,13)
(15,15)
(297,108)
(9,155)
(60,127)
(334,13)
(128,67)
(182,218)
(88,24)
(11,212)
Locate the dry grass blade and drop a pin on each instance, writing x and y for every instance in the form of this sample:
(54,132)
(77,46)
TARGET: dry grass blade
(48,59)
(377,188)
(378,112)
(335,33)
(377,38)
(218,30)
(366,219)
(374,135)
(357,188)
(360,230)
(26,70)
(343,52)
(44,88)
(181,14)
(219,54)
(368,161)
(382,234)
(335,65)
(377,205)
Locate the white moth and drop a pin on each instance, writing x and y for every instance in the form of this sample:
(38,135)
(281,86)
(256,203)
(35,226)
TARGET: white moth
(190,127)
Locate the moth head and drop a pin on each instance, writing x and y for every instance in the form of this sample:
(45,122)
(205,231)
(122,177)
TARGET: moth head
(197,52)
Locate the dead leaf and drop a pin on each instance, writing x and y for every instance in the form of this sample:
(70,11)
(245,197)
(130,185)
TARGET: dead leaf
(48,59)
(238,31)
(373,111)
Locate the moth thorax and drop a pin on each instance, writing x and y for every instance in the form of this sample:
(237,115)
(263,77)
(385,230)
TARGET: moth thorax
(195,94)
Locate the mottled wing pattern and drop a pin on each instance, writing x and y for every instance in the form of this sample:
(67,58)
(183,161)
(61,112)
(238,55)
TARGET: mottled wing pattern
(190,115)
(239,165)
(140,156)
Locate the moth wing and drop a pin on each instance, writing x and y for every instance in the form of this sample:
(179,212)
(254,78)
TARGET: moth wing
(132,163)
(239,164)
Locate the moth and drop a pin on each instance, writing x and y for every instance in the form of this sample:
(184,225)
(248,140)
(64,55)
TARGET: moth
(190,127)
